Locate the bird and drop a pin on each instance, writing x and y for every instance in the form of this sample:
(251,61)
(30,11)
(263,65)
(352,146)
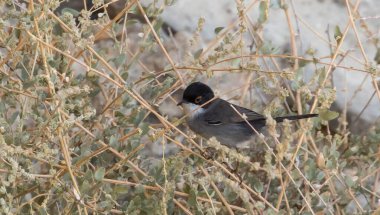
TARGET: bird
(210,116)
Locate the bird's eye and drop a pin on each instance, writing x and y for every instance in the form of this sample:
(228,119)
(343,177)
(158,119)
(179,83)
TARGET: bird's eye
(198,99)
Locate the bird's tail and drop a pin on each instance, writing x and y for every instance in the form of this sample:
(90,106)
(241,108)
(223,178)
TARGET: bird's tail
(296,117)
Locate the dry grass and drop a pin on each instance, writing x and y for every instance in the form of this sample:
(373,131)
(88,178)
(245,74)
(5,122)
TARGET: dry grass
(80,106)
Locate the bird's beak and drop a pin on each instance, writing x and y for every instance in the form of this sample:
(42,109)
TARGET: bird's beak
(180,103)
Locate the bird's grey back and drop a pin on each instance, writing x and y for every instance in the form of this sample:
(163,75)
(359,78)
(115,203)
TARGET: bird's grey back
(221,121)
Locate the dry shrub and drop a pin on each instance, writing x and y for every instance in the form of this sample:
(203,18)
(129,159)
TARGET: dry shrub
(85,103)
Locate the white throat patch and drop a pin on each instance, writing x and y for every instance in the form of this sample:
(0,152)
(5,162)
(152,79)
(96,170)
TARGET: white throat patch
(192,110)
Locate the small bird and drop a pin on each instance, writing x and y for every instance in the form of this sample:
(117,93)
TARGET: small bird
(215,117)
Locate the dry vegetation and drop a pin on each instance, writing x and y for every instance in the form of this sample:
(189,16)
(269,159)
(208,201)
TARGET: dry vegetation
(81,102)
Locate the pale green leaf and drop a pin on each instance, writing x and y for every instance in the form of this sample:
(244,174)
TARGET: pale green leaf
(99,174)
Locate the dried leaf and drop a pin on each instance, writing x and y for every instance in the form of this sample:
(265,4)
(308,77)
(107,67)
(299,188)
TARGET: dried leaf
(198,53)
(218,30)
(338,35)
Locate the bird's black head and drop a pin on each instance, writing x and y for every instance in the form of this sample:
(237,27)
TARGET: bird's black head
(197,93)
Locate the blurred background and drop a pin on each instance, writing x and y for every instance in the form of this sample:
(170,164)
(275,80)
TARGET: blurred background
(315,26)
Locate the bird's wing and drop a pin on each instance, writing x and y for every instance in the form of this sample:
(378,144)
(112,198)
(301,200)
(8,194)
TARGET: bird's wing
(221,112)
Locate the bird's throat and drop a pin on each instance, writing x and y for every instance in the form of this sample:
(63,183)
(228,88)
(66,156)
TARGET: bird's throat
(192,110)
